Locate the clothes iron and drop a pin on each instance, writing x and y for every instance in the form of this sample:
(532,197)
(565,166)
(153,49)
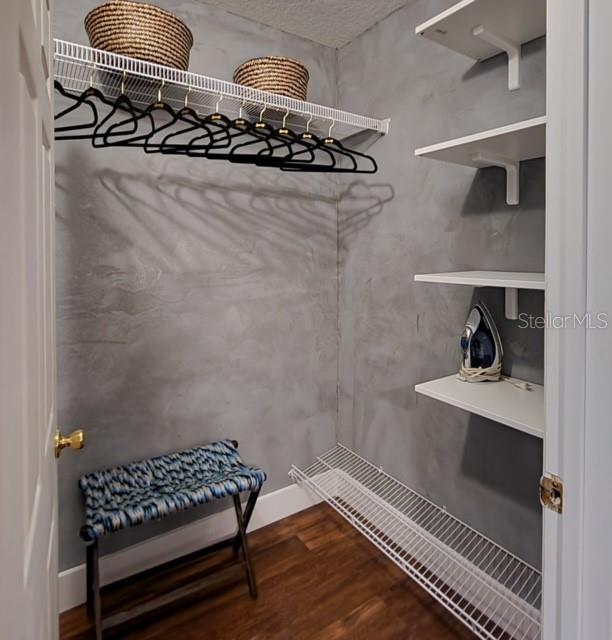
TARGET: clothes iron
(481,347)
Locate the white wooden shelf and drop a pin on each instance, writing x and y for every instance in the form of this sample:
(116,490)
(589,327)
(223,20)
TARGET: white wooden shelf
(522,140)
(511,281)
(481,29)
(499,401)
(503,147)
(505,279)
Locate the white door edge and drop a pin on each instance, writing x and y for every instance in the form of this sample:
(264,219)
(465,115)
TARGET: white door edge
(566,295)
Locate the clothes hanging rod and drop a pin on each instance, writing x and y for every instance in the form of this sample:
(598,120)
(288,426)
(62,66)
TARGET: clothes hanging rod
(78,66)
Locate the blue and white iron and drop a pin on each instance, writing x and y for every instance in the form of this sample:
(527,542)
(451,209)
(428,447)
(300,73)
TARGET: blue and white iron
(481,347)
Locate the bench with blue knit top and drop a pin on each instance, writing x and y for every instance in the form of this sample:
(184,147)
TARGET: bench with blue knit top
(139,492)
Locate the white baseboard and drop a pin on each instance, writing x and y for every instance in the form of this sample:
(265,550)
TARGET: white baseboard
(121,564)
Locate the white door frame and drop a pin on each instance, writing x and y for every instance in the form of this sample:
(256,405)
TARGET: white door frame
(596,618)
(577,561)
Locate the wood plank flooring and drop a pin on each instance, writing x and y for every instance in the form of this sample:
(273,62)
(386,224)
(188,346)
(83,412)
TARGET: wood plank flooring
(318,578)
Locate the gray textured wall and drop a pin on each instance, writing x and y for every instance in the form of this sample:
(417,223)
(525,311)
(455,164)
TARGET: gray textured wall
(418,216)
(196,300)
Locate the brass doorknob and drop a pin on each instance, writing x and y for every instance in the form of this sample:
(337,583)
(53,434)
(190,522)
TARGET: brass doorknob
(76,440)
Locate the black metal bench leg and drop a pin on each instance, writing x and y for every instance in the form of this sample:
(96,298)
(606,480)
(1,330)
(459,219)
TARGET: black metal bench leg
(248,512)
(89,580)
(243,542)
(94,601)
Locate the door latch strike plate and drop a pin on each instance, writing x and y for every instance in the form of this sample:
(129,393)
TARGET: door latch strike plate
(551,492)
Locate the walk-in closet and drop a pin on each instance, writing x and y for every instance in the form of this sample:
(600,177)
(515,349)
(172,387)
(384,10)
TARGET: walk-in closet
(309,334)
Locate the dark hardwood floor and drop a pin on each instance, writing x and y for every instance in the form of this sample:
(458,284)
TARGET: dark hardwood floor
(318,579)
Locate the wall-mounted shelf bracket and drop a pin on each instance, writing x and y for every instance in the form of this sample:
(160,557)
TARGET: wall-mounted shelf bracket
(511,303)
(512,172)
(512,49)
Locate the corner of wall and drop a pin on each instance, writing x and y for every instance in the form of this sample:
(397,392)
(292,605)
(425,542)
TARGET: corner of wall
(338,193)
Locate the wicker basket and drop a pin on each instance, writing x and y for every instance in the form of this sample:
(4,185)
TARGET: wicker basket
(141,31)
(275,74)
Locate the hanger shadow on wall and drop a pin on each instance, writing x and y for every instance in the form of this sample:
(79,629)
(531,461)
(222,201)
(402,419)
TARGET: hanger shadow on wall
(150,201)
(358,204)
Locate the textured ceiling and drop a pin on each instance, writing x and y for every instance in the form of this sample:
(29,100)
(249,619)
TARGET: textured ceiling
(330,22)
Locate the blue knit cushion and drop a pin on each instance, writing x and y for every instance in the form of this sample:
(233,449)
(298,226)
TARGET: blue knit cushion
(134,493)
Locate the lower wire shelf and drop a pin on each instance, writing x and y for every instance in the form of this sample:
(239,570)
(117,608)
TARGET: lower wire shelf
(495,593)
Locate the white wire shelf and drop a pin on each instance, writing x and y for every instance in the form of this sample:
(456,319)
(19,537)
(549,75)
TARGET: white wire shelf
(78,66)
(496,594)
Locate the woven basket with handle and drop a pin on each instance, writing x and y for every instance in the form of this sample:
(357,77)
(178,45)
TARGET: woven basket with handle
(141,31)
(276,74)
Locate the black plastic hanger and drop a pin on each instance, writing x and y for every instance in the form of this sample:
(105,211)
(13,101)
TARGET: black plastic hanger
(251,152)
(121,104)
(319,158)
(185,115)
(331,146)
(78,100)
(308,145)
(218,135)
(236,129)
(119,129)
(88,97)
(291,144)
(265,146)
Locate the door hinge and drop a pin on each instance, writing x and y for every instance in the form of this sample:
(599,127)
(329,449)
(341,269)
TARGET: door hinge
(551,492)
